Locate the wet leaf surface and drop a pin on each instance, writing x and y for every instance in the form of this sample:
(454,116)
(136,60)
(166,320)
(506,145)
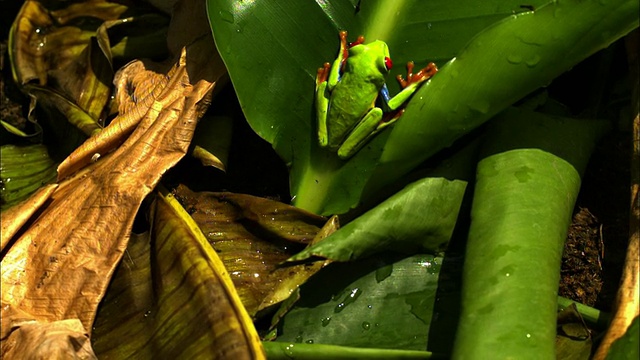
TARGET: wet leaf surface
(23,169)
(254,236)
(172,295)
(63,56)
(387,302)
(419,218)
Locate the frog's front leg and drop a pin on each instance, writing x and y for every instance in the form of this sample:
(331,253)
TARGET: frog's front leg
(411,84)
(365,129)
(394,105)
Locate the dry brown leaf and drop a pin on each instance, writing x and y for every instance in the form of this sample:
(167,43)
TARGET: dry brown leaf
(16,216)
(253,237)
(64,339)
(60,267)
(38,47)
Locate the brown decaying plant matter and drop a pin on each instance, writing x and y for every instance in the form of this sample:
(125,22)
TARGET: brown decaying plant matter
(59,267)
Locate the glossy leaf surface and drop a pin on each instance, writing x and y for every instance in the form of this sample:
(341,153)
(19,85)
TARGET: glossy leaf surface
(252,237)
(385,302)
(419,218)
(497,63)
(23,169)
(173,296)
(526,186)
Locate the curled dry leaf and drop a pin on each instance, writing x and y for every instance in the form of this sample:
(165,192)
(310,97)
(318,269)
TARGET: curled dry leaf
(63,55)
(254,236)
(62,61)
(45,40)
(60,266)
(64,339)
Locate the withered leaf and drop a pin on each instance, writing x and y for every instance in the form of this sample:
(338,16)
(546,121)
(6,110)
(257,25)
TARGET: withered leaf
(253,236)
(60,267)
(16,216)
(62,56)
(64,339)
(171,295)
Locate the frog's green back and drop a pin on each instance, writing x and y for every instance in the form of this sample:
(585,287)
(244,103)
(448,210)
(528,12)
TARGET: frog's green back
(357,92)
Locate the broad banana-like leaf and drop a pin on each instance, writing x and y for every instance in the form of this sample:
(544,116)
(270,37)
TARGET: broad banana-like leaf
(13,218)
(58,340)
(491,54)
(385,302)
(173,296)
(419,218)
(277,350)
(253,236)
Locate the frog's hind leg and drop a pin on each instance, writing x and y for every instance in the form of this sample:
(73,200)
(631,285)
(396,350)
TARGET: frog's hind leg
(364,130)
(322,103)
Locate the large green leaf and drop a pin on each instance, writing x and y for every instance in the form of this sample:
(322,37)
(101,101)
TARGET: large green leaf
(282,44)
(524,195)
(419,218)
(626,347)
(383,302)
(288,351)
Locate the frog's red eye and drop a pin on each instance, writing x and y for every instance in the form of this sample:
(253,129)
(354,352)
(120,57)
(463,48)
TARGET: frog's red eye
(388,63)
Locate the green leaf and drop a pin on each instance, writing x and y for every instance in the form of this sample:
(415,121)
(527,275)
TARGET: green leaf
(383,302)
(524,195)
(288,351)
(282,44)
(626,347)
(419,218)
(498,67)
(501,65)
(597,319)
(23,169)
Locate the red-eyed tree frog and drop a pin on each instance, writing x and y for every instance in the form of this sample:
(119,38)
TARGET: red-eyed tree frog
(347,91)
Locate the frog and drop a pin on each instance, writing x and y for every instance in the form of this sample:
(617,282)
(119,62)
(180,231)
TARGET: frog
(348,91)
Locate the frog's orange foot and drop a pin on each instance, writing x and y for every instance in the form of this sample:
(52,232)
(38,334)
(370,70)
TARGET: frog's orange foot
(422,75)
(359,40)
(344,46)
(323,73)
